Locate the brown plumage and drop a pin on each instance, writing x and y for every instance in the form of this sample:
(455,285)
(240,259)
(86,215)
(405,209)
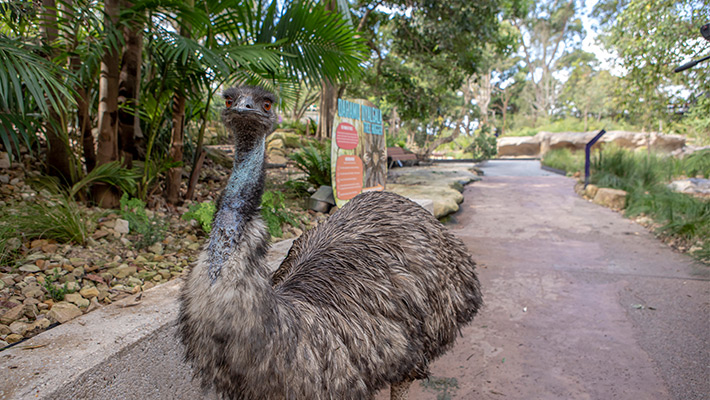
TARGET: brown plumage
(367,298)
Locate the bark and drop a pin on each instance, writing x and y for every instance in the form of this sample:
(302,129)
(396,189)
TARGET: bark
(59,157)
(128,90)
(174,175)
(107,150)
(326,115)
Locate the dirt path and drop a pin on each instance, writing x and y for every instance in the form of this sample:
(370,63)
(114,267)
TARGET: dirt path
(580,302)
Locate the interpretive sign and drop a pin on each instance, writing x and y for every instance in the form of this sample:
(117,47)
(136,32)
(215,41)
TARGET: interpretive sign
(359,151)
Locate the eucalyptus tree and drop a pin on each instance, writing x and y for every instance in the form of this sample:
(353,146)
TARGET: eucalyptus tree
(547,30)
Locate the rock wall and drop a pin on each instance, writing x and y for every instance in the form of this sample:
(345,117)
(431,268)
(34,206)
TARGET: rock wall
(538,145)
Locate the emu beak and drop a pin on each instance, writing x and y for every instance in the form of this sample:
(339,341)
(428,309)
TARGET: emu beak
(245,104)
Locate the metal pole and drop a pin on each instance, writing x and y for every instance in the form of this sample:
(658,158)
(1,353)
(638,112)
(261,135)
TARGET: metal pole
(587,150)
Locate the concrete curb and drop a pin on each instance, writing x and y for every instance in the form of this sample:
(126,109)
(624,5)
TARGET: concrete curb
(127,350)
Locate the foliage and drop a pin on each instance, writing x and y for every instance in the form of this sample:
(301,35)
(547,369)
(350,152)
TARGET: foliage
(275,213)
(203,213)
(484,145)
(644,177)
(564,159)
(150,229)
(695,164)
(314,160)
(650,37)
(58,218)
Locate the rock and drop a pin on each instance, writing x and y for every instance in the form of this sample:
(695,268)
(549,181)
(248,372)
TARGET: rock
(89,292)
(518,146)
(124,271)
(440,176)
(12,314)
(691,186)
(63,312)
(13,338)
(156,248)
(446,200)
(29,268)
(4,330)
(612,198)
(94,305)
(4,160)
(39,325)
(75,298)
(121,226)
(73,286)
(33,290)
(19,327)
(591,190)
(164,273)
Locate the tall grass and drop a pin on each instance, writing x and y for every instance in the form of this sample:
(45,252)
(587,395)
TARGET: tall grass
(59,218)
(565,160)
(644,176)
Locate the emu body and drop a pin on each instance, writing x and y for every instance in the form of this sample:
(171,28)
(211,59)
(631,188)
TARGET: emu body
(366,299)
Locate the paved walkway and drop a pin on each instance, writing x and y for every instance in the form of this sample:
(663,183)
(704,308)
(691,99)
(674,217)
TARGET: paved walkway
(580,302)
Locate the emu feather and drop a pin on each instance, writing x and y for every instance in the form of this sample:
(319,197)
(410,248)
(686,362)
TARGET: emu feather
(368,298)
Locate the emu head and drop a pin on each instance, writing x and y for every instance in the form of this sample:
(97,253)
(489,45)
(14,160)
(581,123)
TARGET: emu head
(249,112)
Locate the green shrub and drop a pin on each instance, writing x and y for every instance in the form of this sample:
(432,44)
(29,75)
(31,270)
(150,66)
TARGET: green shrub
(150,230)
(56,291)
(275,213)
(314,160)
(202,213)
(695,164)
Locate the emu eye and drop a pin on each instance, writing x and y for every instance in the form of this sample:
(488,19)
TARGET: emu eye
(267,105)
(228,102)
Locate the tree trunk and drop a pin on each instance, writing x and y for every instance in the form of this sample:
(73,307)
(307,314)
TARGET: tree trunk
(128,89)
(174,175)
(107,151)
(59,157)
(326,114)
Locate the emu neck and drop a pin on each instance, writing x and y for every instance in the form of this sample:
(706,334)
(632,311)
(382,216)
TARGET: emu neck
(239,204)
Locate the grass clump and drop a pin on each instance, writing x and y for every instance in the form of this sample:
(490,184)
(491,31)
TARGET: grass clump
(645,176)
(150,229)
(58,218)
(565,160)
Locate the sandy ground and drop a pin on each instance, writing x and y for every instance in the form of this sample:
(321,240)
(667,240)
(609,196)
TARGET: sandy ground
(580,302)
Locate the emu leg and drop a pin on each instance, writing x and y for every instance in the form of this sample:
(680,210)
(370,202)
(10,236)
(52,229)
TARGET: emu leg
(398,391)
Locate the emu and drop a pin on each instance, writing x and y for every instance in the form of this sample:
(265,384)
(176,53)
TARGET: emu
(368,298)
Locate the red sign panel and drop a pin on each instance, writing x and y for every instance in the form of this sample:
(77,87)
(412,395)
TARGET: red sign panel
(346,136)
(348,176)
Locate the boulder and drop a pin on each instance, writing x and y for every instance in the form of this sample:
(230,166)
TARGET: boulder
(591,190)
(518,146)
(446,200)
(612,198)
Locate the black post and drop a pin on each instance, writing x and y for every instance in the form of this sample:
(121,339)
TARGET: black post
(587,150)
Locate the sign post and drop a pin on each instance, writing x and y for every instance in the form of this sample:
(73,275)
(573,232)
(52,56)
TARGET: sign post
(358,152)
